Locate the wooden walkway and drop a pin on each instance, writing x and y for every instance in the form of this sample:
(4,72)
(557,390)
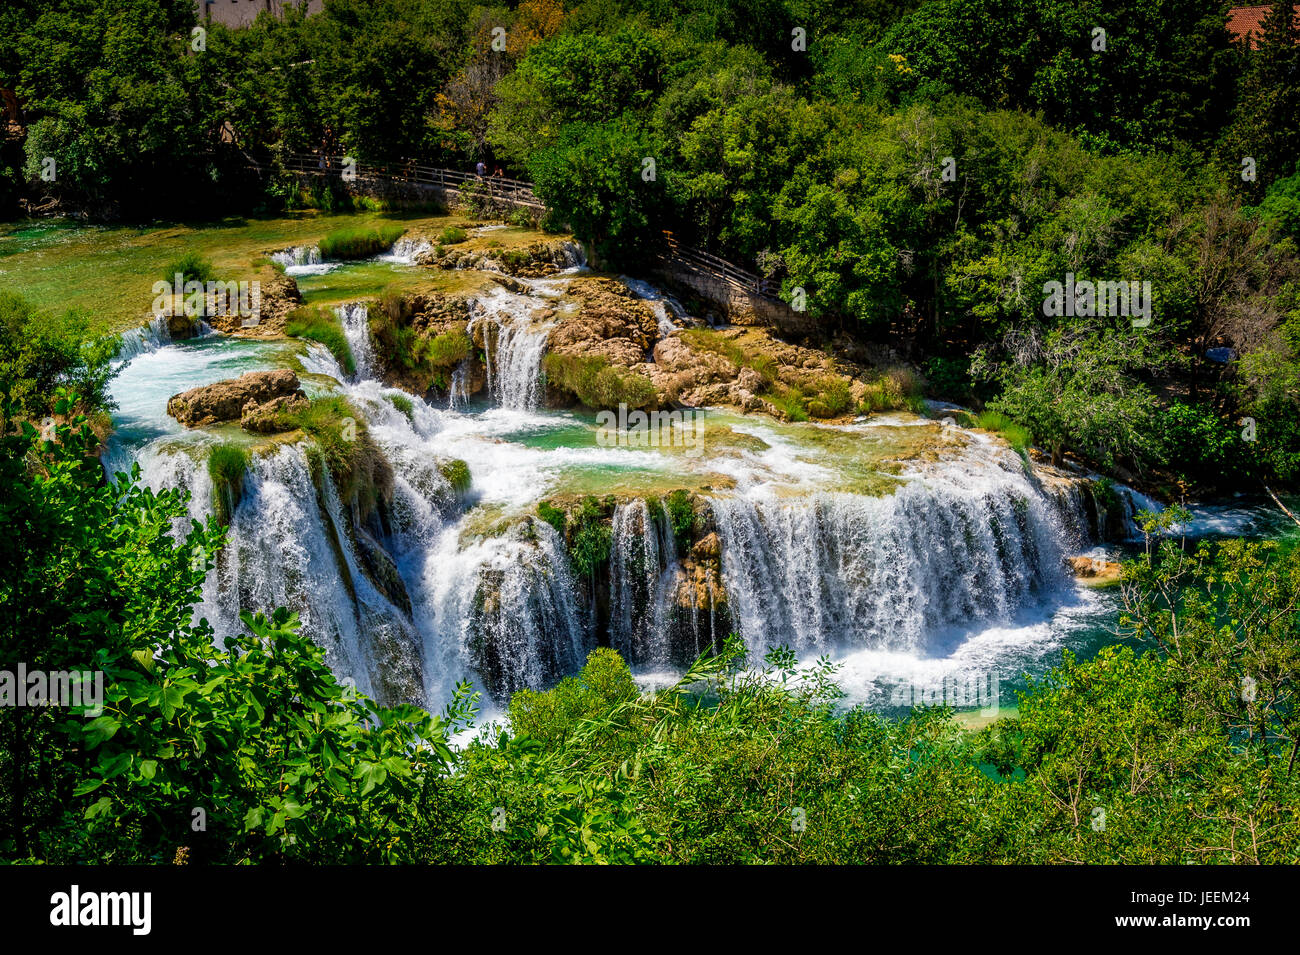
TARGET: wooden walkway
(519,193)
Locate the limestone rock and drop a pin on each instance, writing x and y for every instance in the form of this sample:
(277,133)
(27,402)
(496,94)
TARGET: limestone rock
(226,400)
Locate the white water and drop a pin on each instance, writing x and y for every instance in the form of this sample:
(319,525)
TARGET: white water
(355,319)
(514,343)
(406,250)
(957,569)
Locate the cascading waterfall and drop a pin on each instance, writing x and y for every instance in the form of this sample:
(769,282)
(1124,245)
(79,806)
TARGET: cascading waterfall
(298,255)
(506,603)
(355,319)
(440,584)
(288,545)
(140,340)
(513,347)
(839,570)
(406,250)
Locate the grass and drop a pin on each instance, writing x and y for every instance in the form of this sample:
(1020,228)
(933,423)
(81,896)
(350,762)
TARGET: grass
(321,325)
(108,272)
(227,465)
(896,389)
(1016,435)
(404,404)
(597,383)
(343,443)
(343,244)
(457,474)
(191,267)
(452,235)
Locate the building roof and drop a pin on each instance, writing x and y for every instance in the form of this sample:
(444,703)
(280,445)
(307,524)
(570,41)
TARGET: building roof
(1247,23)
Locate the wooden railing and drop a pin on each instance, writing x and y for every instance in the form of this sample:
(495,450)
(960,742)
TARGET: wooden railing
(716,267)
(515,191)
(520,193)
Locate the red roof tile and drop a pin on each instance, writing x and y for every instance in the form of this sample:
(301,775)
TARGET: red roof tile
(1245,21)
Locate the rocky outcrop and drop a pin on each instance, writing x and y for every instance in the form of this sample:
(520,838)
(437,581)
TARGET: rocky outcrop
(255,395)
(537,260)
(610,322)
(1094,570)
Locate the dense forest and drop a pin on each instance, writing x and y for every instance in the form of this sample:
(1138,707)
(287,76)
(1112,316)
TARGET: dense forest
(915,174)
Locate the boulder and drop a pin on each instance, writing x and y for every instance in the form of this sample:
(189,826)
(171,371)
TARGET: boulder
(1095,569)
(268,417)
(227,400)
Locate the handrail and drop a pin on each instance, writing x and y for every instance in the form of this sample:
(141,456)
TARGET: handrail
(521,193)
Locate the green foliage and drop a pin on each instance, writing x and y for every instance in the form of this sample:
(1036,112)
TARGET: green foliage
(1017,436)
(589,536)
(322,325)
(681,514)
(404,404)
(597,383)
(1074,389)
(42,353)
(551,715)
(457,474)
(552,515)
(191,267)
(342,244)
(341,441)
(286,764)
(452,235)
(227,465)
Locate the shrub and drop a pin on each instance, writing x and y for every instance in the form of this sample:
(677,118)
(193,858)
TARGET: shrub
(597,383)
(448,348)
(549,716)
(404,404)
(320,325)
(452,235)
(343,444)
(457,474)
(681,514)
(552,515)
(191,266)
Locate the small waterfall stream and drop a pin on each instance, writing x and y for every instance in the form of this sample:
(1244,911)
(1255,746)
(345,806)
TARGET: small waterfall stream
(514,344)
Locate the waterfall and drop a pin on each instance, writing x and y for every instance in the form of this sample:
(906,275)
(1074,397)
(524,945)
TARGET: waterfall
(458,389)
(505,605)
(355,319)
(298,255)
(513,345)
(406,250)
(638,596)
(668,311)
(288,545)
(138,341)
(841,570)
